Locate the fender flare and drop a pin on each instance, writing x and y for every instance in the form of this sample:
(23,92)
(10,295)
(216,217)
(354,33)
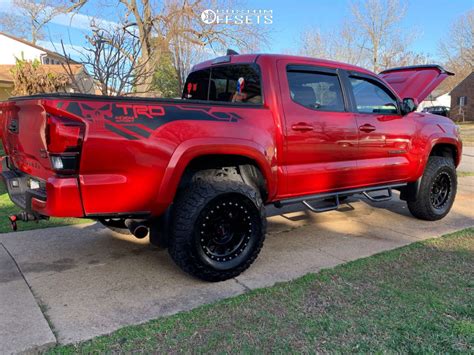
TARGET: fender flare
(410,192)
(194,148)
(435,139)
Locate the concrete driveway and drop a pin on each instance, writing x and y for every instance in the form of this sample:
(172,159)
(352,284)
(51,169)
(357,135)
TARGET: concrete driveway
(73,283)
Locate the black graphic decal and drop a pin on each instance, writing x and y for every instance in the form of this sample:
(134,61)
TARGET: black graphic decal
(141,119)
(140,131)
(119,132)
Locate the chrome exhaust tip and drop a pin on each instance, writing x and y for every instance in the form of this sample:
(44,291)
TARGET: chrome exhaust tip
(137,228)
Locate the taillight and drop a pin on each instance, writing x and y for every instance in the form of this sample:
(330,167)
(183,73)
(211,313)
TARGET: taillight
(64,141)
(63,135)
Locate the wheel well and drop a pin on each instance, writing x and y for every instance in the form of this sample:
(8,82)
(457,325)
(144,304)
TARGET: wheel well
(410,192)
(233,167)
(445,150)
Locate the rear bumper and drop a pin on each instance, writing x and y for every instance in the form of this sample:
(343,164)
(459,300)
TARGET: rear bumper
(56,197)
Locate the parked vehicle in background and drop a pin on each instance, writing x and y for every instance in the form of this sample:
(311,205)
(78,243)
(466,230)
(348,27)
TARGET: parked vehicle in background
(251,130)
(437,110)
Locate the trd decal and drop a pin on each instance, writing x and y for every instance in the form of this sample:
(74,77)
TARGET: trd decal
(130,120)
(136,111)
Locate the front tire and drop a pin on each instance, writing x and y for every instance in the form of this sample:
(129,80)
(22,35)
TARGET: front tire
(437,190)
(217,228)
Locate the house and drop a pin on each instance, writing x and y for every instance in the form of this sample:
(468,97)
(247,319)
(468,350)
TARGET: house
(6,86)
(462,100)
(13,48)
(436,98)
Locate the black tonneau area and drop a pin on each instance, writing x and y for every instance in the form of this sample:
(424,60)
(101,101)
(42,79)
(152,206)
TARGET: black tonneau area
(90,97)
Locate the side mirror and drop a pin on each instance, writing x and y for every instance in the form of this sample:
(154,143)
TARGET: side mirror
(408,105)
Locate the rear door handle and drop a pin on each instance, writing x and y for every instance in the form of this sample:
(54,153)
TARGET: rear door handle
(302,126)
(367,128)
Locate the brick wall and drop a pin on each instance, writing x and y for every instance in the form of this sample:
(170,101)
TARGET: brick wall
(464,88)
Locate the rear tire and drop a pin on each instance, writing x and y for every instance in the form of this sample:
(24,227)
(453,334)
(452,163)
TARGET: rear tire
(217,228)
(437,190)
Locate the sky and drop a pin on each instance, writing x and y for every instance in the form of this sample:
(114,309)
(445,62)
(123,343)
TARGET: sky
(427,21)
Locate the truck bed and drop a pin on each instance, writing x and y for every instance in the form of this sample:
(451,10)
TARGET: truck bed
(126,147)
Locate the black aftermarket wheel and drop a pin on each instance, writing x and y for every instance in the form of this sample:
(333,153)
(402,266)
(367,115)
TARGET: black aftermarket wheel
(218,228)
(225,228)
(437,190)
(441,189)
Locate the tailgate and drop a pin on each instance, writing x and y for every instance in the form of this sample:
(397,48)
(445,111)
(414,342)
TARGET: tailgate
(22,129)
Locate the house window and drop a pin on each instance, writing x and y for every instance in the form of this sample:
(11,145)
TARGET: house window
(462,101)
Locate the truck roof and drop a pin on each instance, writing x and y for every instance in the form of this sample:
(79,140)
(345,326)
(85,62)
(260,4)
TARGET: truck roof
(251,58)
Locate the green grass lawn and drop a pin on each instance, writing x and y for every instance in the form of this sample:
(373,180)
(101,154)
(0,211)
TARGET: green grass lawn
(416,299)
(7,208)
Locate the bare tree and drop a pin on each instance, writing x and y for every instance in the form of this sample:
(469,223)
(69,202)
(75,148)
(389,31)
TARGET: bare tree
(370,37)
(112,56)
(350,44)
(172,26)
(315,44)
(13,24)
(142,19)
(400,57)
(457,49)
(33,16)
(378,21)
(345,45)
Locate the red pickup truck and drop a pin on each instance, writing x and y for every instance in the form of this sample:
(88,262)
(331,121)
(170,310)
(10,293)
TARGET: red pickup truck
(250,130)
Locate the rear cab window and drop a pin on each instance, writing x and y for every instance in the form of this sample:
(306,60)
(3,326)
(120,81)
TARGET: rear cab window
(233,83)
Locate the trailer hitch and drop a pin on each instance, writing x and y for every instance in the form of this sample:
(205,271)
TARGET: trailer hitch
(13,224)
(22,216)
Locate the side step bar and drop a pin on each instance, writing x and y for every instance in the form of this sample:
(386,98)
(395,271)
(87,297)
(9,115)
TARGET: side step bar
(305,200)
(322,209)
(379,198)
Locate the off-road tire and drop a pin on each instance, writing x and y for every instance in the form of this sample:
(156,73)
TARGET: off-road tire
(425,206)
(205,200)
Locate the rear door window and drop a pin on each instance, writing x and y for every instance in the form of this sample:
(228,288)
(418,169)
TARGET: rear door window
(229,83)
(315,90)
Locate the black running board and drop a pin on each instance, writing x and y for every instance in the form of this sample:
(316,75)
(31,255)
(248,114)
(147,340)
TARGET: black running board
(305,200)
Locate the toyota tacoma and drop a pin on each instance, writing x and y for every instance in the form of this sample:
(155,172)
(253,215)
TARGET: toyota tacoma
(196,173)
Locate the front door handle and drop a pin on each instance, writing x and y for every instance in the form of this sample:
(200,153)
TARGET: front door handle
(302,126)
(367,128)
